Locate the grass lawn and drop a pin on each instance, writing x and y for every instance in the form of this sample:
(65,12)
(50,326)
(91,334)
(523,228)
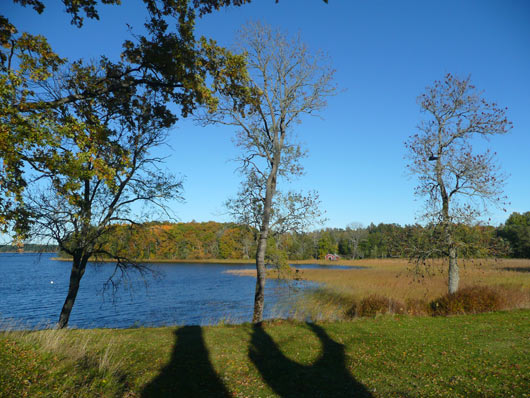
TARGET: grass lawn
(486,355)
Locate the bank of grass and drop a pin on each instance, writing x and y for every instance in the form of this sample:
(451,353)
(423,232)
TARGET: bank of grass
(485,355)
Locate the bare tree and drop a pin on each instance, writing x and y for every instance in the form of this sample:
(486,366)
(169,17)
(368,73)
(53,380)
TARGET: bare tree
(285,81)
(458,183)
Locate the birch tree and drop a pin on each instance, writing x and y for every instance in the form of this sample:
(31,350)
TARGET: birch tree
(285,81)
(458,182)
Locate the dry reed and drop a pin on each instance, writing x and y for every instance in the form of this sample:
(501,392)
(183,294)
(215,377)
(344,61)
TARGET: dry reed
(400,281)
(397,279)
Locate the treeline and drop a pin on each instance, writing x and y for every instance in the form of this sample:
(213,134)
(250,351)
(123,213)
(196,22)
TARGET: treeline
(174,241)
(390,241)
(29,248)
(213,240)
(511,239)
(516,231)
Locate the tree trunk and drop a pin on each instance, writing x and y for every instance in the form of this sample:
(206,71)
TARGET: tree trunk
(259,296)
(261,271)
(78,269)
(453,277)
(453,271)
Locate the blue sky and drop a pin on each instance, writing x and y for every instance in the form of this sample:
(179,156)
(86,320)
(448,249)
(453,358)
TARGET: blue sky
(385,53)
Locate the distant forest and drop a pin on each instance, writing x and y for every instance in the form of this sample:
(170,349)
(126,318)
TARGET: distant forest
(29,247)
(211,240)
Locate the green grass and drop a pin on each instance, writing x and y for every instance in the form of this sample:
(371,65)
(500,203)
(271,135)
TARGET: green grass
(486,355)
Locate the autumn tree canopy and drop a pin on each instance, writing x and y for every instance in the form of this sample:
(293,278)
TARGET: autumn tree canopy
(76,137)
(167,61)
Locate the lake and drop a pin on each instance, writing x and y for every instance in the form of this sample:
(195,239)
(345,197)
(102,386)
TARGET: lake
(33,288)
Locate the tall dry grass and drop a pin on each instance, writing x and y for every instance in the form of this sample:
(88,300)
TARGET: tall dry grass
(398,279)
(81,347)
(403,282)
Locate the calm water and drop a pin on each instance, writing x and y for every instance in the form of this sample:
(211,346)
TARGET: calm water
(183,294)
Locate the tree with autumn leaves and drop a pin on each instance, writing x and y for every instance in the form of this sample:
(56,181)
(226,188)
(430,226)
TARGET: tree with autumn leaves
(76,139)
(168,61)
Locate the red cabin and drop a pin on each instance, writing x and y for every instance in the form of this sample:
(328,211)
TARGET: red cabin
(332,257)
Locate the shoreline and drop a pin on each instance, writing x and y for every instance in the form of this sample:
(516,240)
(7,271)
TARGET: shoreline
(28,252)
(354,263)
(172,261)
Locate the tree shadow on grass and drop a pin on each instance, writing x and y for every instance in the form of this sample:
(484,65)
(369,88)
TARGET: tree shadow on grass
(327,377)
(189,373)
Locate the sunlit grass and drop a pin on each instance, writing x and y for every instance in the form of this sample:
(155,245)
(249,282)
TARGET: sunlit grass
(483,355)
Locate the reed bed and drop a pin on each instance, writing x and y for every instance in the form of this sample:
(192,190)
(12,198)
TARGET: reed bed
(407,287)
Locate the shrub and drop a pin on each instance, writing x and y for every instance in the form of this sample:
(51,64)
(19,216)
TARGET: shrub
(417,307)
(375,304)
(324,304)
(469,300)
(351,312)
